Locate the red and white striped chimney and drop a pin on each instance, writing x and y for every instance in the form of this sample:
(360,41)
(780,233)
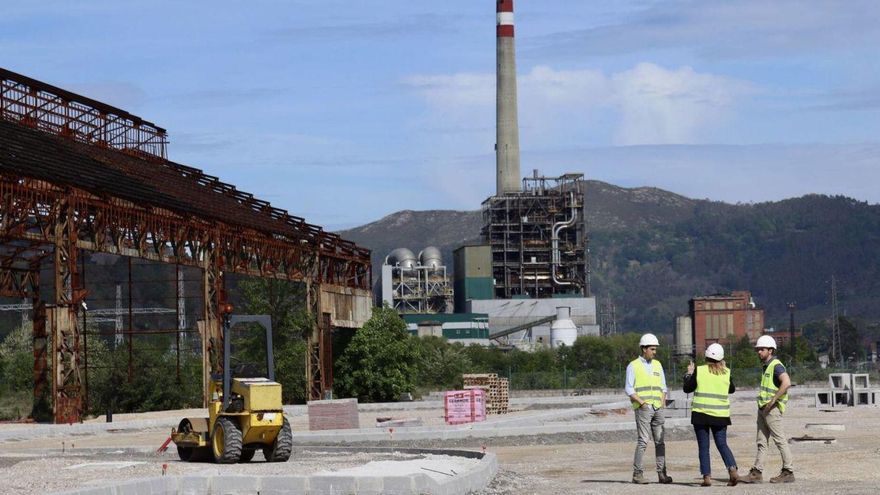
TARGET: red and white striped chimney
(506,125)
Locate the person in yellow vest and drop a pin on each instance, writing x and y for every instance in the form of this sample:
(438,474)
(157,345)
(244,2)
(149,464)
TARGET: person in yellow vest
(772,399)
(646,388)
(712,386)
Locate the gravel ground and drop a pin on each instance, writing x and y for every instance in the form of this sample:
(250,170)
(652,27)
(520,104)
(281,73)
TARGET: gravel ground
(850,465)
(563,463)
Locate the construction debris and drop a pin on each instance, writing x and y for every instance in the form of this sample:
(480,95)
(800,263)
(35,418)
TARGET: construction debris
(808,438)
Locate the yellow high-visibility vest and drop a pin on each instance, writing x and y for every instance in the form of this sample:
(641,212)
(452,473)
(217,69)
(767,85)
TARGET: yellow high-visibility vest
(711,396)
(649,386)
(768,388)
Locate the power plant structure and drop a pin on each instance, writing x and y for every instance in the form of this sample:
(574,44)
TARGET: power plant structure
(536,229)
(507,126)
(538,238)
(411,284)
(534,234)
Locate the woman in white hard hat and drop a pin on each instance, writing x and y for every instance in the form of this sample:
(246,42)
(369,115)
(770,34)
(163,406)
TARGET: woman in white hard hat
(710,412)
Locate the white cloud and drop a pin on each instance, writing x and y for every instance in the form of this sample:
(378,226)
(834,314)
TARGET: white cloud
(660,106)
(647,104)
(740,28)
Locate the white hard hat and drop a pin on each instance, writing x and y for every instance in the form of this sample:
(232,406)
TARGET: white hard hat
(715,351)
(648,339)
(766,341)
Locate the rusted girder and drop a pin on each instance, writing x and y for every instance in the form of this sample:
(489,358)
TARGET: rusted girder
(122,228)
(42,106)
(77,174)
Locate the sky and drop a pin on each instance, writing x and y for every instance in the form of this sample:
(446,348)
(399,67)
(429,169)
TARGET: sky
(344,112)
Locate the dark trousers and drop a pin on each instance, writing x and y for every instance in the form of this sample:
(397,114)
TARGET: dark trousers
(720,435)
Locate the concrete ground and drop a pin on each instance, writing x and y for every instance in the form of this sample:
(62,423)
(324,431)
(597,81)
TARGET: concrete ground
(849,465)
(552,445)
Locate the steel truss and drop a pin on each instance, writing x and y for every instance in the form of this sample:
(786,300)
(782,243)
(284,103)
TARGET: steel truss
(41,217)
(538,238)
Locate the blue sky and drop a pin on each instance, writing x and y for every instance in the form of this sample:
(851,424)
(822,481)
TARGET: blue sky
(343,112)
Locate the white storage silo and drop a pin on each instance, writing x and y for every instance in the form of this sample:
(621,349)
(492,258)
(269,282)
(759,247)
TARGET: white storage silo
(563,330)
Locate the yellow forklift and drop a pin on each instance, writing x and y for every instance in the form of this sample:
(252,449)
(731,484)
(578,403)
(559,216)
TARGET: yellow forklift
(244,414)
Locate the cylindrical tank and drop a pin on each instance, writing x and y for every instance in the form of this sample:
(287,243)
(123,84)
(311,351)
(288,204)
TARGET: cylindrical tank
(684,337)
(431,257)
(563,330)
(401,257)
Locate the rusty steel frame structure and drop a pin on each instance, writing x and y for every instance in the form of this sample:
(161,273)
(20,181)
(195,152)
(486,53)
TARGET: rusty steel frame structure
(78,175)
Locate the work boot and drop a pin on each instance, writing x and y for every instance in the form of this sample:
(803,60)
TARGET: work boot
(734,477)
(639,479)
(707,481)
(664,478)
(785,476)
(754,476)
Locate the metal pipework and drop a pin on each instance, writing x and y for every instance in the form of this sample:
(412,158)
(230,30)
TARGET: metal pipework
(555,257)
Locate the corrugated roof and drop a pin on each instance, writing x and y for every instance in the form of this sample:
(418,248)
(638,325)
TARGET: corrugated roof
(108,173)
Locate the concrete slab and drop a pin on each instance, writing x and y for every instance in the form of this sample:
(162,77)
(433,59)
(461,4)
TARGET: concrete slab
(409,477)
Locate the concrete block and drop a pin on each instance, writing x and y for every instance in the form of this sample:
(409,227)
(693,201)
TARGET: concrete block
(370,485)
(234,485)
(863,398)
(336,414)
(332,484)
(284,485)
(399,485)
(840,398)
(823,399)
(840,381)
(193,485)
(860,380)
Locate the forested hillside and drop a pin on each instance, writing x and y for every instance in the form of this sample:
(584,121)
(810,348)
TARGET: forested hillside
(652,250)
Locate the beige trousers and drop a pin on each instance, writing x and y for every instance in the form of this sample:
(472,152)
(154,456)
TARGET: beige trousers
(770,427)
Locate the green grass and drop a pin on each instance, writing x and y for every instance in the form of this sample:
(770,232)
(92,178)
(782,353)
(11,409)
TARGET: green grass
(15,404)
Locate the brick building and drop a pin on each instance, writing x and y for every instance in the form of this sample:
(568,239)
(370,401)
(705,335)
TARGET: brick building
(725,318)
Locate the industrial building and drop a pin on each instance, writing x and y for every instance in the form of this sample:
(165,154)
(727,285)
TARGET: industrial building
(538,238)
(721,318)
(411,284)
(464,328)
(531,275)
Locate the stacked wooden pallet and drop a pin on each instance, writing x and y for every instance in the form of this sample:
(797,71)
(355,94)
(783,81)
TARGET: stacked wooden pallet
(497,390)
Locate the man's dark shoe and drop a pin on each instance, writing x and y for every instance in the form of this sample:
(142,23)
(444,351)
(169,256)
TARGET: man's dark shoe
(785,476)
(639,479)
(707,480)
(664,478)
(754,476)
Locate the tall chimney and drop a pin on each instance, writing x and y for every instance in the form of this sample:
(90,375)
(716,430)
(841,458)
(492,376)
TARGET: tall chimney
(507,128)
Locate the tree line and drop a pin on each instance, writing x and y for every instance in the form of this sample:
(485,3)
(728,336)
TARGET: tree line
(379,362)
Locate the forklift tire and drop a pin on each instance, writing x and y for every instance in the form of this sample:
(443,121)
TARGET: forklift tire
(281,448)
(193,454)
(226,442)
(190,454)
(185,453)
(246,455)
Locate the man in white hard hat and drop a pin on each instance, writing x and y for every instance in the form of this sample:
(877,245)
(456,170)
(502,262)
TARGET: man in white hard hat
(646,388)
(772,399)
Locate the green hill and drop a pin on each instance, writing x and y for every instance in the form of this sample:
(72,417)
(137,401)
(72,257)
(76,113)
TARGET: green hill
(652,250)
